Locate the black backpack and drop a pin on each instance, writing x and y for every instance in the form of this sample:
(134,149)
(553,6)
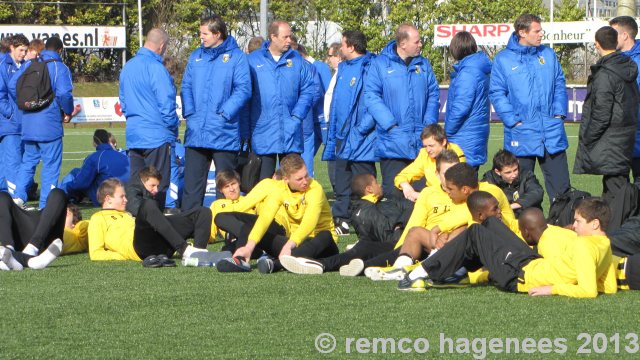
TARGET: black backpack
(249,165)
(563,207)
(34,91)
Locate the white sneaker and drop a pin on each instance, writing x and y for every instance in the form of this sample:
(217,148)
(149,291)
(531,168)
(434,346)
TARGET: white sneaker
(385,273)
(19,202)
(298,265)
(354,268)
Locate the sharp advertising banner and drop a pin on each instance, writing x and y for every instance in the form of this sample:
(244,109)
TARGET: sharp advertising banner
(498,34)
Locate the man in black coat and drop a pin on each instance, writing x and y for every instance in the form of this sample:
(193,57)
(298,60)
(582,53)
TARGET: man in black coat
(609,122)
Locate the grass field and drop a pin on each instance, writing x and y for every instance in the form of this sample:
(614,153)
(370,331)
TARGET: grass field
(115,310)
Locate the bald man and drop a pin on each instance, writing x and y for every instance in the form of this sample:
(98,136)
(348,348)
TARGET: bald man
(402,95)
(148,100)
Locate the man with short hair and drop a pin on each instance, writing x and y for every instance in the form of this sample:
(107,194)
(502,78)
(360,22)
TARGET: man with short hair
(213,113)
(609,122)
(148,100)
(627,29)
(283,91)
(10,124)
(42,130)
(402,95)
(528,91)
(351,141)
(309,224)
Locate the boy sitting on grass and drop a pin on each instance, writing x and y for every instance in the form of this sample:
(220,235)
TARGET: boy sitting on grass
(521,188)
(115,235)
(582,271)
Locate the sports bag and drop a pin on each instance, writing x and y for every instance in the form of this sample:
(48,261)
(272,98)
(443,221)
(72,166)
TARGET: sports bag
(33,89)
(563,207)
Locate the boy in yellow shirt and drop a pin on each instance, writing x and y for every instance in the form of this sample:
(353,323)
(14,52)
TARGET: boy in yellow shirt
(581,271)
(115,235)
(309,228)
(434,141)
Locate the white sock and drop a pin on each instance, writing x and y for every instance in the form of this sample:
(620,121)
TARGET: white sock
(417,273)
(190,250)
(402,261)
(30,249)
(6,257)
(43,260)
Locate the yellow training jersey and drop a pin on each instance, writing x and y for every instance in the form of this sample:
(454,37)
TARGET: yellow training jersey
(307,212)
(582,272)
(221,206)
(556,241)
(429,209)
(460,215)
(424,166)
(77,239)
(111,236)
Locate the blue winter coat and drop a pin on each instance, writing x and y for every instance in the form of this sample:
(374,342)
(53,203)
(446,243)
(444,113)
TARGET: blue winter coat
(9,114)
(467,115)
(318,110)
(148,100)
(634,53)
(311,121)
(528,87)
(351,126)
(46,125)
(215,86)
(283,93)
(103,164)
(403,100)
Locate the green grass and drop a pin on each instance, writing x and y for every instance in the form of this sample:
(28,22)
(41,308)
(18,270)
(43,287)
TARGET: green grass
(79,309)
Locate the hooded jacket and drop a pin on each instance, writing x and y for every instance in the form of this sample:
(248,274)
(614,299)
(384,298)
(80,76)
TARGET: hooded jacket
(9,115)
(467,114)
(634,54)
(215,87)
(403,100)
(352,133)
(609,118)
(148,100)
(528,87)
(283,93)
(46,125)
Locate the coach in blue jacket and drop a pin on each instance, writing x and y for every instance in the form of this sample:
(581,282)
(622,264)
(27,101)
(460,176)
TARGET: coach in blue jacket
(42,130)
(402,95)
(148,100)
(467,117)
(351,139)
(10,124)
(528,91)
(283,91)
(215,87)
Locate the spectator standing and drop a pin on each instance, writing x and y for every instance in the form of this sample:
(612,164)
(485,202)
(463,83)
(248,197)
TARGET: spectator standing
(148,100)
(528,91)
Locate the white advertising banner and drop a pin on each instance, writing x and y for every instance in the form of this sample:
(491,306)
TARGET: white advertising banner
(95,37)
(104,109)
(498,34)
